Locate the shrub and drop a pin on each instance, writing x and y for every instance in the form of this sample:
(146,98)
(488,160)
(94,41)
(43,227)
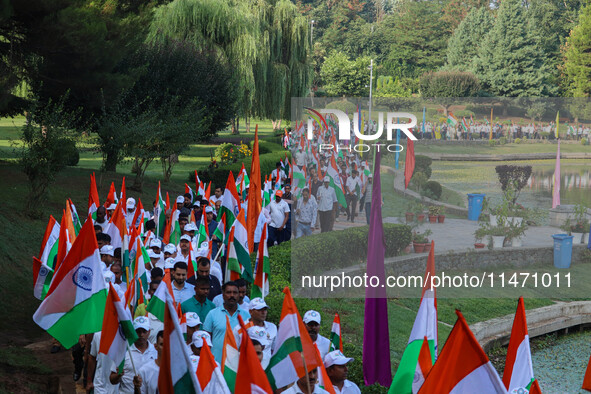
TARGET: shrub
(432,189)
(268,147)
(69,152)
(502,140)
(422,161)
(230,153)
(584,141)
(518,140)
(339,249)
(492,142)
(419,179)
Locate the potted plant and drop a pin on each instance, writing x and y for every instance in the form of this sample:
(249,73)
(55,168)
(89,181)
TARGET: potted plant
(433,213)
(498,234)
(441,215)
(576,230)
(410,212)
(581,225)
(515,233)
(420,241)
(478,236)
(420,212)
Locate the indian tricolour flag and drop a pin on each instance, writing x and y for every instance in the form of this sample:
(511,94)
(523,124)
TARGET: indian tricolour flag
(336,341)
(462,366)
(335,181)
(242,181)
(230,357)
(209,374)
(451,119)
(519,374)
(424,365)
(50,242)
(260,287)
(117,229)
(176,373)
(425,325)
(157,303)
(138,273)
(42,275)
(159,213)
(299,179)
(229,209)
(75,302)
(93,197)
(286,365)
(117,332)
(238,253)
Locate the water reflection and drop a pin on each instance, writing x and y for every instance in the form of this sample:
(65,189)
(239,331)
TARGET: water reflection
(543,180)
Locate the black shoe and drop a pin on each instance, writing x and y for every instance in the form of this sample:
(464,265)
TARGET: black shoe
(55,349)
(76,376)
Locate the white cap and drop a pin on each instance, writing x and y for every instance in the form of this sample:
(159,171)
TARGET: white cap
(180,199)
(154,255)
(208,209)
(199,337)
(169,263)
(311,316)
(112,207)
(192,319)
(257,303)
(141,322)
(197,203)
(259,334)
(130,203)
(336,357)
(370,175)
(186,238)
(155,243)
(190,227)
(108,250)
(170,248)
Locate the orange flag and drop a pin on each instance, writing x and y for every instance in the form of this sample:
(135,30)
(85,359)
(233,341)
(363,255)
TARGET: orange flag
(111,197)
(250,377)
(587,378)
(93,198)
(70,223)
(124,195)
(323,379)
(255,200)
(208,191)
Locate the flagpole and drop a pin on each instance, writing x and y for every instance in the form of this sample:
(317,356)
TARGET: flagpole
(219,251)
(306,369)
(131,358)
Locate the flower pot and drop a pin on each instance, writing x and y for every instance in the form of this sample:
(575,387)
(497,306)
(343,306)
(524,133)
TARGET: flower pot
(432,218)
(479,245)
(498,241)
(418,247)
(585,238)
(577,238)
(440,218)
(421,217)
(517,242)
(409,217)
(493,220)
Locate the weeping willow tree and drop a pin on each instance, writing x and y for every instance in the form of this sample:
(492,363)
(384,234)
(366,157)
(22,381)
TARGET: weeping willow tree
(265,41)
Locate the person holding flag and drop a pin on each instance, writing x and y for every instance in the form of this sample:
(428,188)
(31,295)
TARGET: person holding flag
(336,363)
(353,189)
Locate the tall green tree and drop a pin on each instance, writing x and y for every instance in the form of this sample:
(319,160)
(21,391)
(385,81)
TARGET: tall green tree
(266,41)
(511,61)
(417,39)
(463,45)
(577,58)
(344,77)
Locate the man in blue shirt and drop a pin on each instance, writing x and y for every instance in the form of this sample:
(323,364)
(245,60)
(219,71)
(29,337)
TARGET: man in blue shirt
(215,322)
(181,289)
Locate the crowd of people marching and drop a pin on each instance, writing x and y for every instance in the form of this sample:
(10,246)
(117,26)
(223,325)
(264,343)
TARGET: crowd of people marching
(187,246)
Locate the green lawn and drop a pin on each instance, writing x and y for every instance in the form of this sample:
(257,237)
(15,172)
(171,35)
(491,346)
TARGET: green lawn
(499,150)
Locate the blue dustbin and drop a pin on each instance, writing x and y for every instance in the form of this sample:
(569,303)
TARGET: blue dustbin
(475,201)
(563,250)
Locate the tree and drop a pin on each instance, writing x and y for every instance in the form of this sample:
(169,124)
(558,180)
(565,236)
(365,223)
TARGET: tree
(417,39)
(45,135)
(463,45)
(511,62)
(266,42)
(442,86)
(577,63)
(455,11)
(162,114)
(344,77)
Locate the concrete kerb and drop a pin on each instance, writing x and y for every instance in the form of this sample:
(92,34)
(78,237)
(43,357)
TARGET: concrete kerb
(540,321)
(399,189)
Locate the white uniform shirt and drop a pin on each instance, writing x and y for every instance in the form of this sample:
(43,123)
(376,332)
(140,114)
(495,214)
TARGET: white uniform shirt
(102,373)
(149,374)
(352,183)
(271,330)
(326,197)
(277,211)
(295,389)
(139,359)
(348,388)
(103,225)
(323,345)
(155,326)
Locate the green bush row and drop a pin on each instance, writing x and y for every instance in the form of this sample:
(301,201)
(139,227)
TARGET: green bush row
(339,249)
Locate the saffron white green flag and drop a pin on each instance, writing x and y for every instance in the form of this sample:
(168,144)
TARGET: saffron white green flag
(239,263)
(260,287)
(42,275)
(75,302)
(50,242)
(176,373)
(519,374)
(117,330)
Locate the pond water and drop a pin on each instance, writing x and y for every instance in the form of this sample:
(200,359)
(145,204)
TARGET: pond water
(480,177)
(560,367)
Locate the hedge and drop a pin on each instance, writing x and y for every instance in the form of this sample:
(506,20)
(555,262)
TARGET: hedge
(339,249)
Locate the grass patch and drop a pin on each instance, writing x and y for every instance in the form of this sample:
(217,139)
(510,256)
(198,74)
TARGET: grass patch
(507,149)
(23,359)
